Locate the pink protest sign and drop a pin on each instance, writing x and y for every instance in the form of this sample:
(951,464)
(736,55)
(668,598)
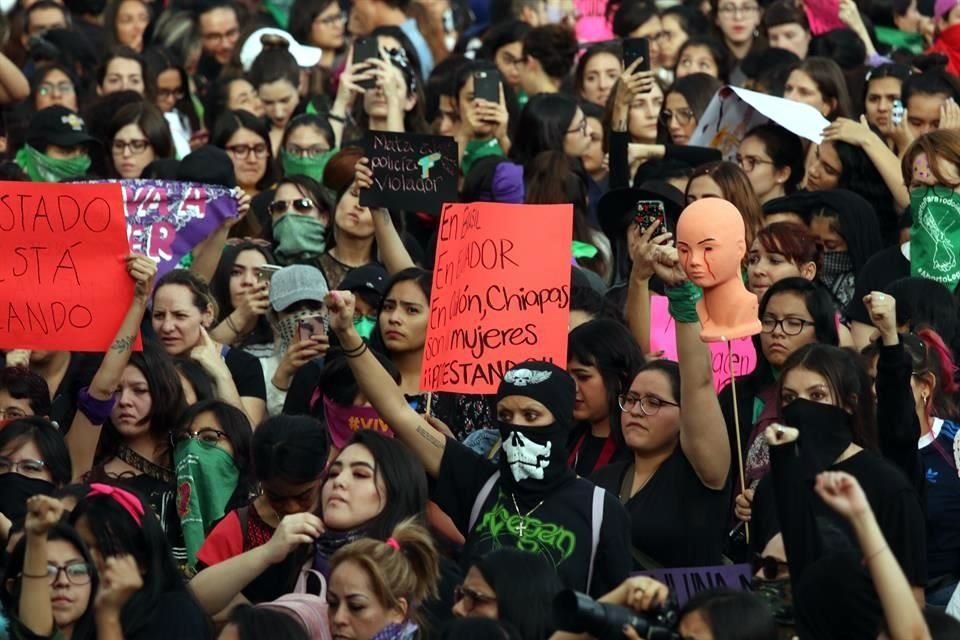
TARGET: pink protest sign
(663,337)
(592,24)
(823,15)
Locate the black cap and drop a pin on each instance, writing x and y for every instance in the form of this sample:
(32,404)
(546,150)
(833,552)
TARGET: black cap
(207,165)
(59,126)
(618,207)
(370,277)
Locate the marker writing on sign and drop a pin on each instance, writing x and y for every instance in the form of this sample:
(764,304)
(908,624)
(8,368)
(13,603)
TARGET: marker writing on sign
(426,163)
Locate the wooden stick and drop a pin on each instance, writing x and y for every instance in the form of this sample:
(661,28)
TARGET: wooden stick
(736,428)
(429,402)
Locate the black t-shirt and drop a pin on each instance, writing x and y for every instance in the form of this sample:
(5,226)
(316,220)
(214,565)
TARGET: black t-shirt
(247,374)
(177,615)
(891,496)
(881,269)
(560,529)
(676,520)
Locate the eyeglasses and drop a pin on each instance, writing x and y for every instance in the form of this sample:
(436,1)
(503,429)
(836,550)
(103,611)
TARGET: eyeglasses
(331,21)
(749,163)
(166,94)
(136,146)
(244,150)
(734,10)
(26,467)
(789,326)
(509,61)
(207,434)
(300,205)
(76,572)
(684,116)
(649,405)
(12,413)
(305,152)
(471,598)
(582,127)
(63,88)
(768,566)
(216,38)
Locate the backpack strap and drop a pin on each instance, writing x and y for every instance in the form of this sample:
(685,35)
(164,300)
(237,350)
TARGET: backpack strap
(596,523)
(485,492)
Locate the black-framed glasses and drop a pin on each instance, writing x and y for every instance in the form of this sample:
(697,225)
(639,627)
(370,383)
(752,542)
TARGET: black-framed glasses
(789,326)
(582,127)
(25,467)
(166,94)
(136,146)
(649,405)
(330,21)
(734,10)
(768,566)
(207,434)
(300,205)
(12,413)
(749,163)
(471,598)
(306,152)
(76,572)
(63,88)
(684,116)
(259,150)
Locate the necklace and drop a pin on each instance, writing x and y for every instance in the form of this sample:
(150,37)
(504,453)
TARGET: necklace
(143,465)
(523,516)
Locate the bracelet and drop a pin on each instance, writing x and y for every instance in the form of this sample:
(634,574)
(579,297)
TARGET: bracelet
(232,326)
(357,353)
(873,555)
(683,302)
(355,350)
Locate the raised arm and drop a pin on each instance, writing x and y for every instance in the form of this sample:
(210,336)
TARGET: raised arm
(35,610)
(631,83)
(14,86)
(208,354)
(390,246)
(886,161)
(379,388)
(206,255)
(84,432)
(643,250)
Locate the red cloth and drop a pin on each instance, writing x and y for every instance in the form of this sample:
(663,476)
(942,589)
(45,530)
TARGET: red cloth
(948,44)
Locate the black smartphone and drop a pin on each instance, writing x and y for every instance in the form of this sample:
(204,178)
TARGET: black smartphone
(364,49)
(486,85)
(650,212)
(634,48)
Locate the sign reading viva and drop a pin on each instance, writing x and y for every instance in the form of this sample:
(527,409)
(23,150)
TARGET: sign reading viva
(500,295)
(63,280)
(411,171)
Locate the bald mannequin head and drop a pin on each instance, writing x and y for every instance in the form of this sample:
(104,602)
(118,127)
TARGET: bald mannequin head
(710,242)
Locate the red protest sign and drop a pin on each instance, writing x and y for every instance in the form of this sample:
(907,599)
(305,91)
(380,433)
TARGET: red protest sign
(63,281)
(500,295)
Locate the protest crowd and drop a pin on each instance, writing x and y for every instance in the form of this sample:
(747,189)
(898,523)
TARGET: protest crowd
(479,319)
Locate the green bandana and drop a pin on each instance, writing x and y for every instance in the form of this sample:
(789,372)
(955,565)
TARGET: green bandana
(206,478)
(365,326)
(477,149)
(583,250)
(935,235)
(42,168)
(298,238)
(279,10)
(312,166)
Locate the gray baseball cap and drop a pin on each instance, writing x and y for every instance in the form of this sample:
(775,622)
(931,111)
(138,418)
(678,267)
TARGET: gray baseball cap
(296,283)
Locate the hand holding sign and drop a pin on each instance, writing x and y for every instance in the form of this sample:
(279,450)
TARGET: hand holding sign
(143,270)
(410,171)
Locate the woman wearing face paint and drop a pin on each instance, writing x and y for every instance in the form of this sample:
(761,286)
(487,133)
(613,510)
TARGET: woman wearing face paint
(533,490)
(827,406)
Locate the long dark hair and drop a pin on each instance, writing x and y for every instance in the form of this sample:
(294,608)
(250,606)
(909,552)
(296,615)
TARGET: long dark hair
(255,623)
(220,287)
(424,280)
(785,150)
(236,425)
(229,122)
(542,126)
(733,614)
(47,439)
(526,604)
(290,447)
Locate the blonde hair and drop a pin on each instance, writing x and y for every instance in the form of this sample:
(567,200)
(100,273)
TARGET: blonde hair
(405,566)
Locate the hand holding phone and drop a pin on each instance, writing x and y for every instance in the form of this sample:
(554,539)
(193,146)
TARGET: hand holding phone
(649,213)
(266,271)
(486,85)
(634,48)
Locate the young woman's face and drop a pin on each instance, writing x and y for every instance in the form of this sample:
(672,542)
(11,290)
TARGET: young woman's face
(353,219)
(683,121)
(766,181)
(244,274)
(509,59)
(68,598)
(524,412)
(479,599)
(403,319)
(599,77)
(738,20)
(673,37)
(577,139)
(306,141)
(176,319)
(131,413)
(354,610)
(353,493)
(280,99)
(241,96)
(12,408)
(131,151)
(644,113)
(170,89)
(21,450)
(327,29)
(132,19)
(208,429)
(56,89)
(654,433)
(375,102)
(790,36)
(249,152)
(651,30)
(295,198)
(881,94)
(697,59)
(123,74)
(782,309)
(808,385)
(824,168)
(703,186)
(800,87)
(825,228)
(590,403)
(764,268)
(593,158)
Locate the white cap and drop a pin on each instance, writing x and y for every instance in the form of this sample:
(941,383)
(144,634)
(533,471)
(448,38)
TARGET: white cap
(305,56)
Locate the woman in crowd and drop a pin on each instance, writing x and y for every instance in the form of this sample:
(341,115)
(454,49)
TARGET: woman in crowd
(679,24)
(248,623)
(138,135)
(55,84)
(321,24)
(170,86)
(819,82)
(299,221)
(597,73)
(246,139)
(703,54)
(33,460)
(772,158)
(503,45)
(308,143)
(728,181)
(782,250)
(122,70)
(241,291)
(881,96)
(739,25)
(276,77)
(126,23)
(684,105)
(231,92)
(786,27)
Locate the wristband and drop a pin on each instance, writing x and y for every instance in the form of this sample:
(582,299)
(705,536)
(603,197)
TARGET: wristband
(97,411)
(683,302)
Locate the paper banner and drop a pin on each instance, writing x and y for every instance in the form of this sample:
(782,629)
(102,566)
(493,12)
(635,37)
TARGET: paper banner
(63,280)
(688,582)
(411,171)
(734,111)
(663,337)
(501,293)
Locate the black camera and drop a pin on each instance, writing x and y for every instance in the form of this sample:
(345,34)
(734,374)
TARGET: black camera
(579,613)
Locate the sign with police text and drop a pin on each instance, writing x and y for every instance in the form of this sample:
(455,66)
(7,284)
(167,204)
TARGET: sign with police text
(412,172)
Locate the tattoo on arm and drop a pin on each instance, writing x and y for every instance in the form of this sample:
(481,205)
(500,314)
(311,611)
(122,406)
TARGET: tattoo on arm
(430,437)
(122,344)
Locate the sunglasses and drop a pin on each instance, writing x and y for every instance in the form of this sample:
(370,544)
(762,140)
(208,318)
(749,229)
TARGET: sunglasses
(300,205)
(768,566)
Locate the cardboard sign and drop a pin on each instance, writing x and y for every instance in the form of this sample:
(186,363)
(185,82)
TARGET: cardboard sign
(63,281)
(688,582)
(411,171)
(501,293)
(663,337)
(823,16)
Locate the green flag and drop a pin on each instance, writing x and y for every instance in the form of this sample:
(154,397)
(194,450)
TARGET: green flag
(206,478)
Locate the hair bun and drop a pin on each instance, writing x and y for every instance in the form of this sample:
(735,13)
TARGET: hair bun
(272,41)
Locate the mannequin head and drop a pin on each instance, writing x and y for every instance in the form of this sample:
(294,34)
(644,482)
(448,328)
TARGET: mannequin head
(710,242)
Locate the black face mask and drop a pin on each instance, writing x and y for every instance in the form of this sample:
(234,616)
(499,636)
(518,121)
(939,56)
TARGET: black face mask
(777,595)
(16,489)
(824,430)
(534,459)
